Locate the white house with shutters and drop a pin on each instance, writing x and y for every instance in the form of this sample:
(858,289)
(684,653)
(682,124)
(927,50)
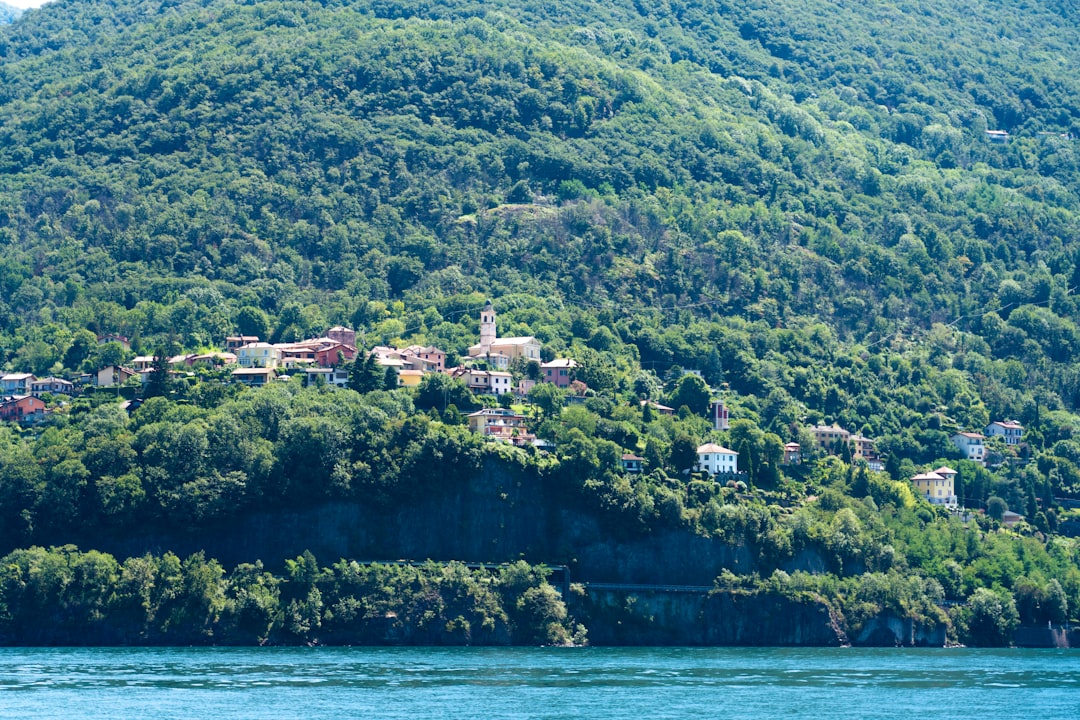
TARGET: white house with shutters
(716,460)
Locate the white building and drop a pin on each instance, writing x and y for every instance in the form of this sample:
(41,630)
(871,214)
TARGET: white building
(53,385)
(1011,430)
(502,351)
(16,383)
(972,445)
(716,460)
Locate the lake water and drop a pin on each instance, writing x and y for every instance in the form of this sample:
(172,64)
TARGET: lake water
(593,683)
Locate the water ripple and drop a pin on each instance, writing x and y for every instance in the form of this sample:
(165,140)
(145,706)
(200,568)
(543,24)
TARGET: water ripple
(591,683)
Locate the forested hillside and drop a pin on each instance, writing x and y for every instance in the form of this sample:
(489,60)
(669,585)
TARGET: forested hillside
(800,201)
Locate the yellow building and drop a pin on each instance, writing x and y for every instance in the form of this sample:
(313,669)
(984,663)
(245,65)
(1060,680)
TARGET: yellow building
(937,487)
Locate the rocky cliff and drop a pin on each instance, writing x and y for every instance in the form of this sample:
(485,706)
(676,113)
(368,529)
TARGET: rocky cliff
(619,617)
(636,617)
(501,514)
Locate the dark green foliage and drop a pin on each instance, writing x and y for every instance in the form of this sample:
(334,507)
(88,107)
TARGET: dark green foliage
(158,382)
(366,374)
(63,596)
(442,392)
(692,392)
(990,618)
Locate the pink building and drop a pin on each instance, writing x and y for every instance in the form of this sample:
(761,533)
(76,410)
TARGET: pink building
(332,355)
(21,408)
(559,371)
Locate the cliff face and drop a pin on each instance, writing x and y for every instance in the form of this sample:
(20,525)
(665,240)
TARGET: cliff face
(1046,637)
(616,617)
(627,617)
(500,514)
(889,630)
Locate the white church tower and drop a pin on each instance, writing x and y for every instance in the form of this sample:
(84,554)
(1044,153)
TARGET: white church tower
(487,327)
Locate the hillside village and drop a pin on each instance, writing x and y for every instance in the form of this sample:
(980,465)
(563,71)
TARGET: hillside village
(501,373)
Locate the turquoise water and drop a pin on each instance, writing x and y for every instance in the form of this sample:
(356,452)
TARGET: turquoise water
(589,683)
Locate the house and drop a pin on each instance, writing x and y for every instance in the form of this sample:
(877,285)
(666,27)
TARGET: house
(52,385)
(235,342)
(1011,519)
(130,406)
(937,487)
(212,358)
(409,378)
(112,337)
(16,383)
(658,408)
(500,423)
(336,376)
(972,445)
(501,382)
(142,362)
(254,376)
(434,359)
(830,437)
(334,354)
(1011,430)
(22,408)
(631,463)
(792,454)
(559,371)
(863,448)
(113,375)
(999,137)
(485,381)
(716,460)
(500,352)
(295,354)
(259,355)
(342,335)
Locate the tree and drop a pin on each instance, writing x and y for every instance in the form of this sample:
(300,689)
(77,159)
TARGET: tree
(366,374)
(647,385)
(996,508)
(692,392)
(547,397)
(683,455)
(110,353)
(440,391)
(991,618)
(82,347)
(253,321)
(594,369)
(158,382)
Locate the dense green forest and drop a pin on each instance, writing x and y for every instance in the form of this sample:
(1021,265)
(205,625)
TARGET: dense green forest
(797,200)
(164,600)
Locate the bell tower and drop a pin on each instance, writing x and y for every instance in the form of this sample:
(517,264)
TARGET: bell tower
(487,327)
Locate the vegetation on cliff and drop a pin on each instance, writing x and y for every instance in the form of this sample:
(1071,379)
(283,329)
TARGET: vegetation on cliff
(61,596)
